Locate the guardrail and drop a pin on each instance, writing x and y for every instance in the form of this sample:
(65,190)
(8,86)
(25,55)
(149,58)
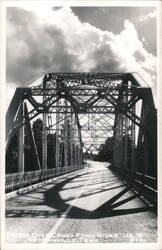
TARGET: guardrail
(16,181)
(144,184)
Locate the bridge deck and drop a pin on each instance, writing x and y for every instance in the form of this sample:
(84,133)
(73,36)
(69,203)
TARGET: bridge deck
(91,205)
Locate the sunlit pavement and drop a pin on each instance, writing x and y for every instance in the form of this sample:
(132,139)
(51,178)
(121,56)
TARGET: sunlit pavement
(90,206)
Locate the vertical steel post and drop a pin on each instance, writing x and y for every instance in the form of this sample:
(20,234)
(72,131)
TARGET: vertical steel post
(133,164)
(78,155)
(118,144)
(121,140)
(57,138)
(71,143)
(146,155)
(44,132)
(21,140)
(79,146)
(115,147)
(126,134)
(75,145)
(65,136)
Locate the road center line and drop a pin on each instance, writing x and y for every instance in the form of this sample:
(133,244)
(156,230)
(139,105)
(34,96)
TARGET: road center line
(60,221)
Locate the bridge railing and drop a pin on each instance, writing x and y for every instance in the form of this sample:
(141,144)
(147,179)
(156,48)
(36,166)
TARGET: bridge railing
(20,180)
(146,185)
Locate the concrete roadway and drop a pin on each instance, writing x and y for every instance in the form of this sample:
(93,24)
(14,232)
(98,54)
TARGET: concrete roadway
(89,206)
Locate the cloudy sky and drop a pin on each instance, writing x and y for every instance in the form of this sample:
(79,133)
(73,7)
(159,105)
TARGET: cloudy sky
(79,39)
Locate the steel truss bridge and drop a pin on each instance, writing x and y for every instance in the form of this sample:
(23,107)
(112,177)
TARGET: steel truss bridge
(79,111)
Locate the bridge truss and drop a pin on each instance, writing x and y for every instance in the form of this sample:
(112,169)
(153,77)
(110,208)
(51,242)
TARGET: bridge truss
(79,112)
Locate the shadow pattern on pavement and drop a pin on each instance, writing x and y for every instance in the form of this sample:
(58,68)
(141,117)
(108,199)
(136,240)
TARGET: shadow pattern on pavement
(53,200)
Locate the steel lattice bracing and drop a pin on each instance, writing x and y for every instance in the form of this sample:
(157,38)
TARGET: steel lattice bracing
(80,111)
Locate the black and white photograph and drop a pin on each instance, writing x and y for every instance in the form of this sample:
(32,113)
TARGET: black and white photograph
(81,113)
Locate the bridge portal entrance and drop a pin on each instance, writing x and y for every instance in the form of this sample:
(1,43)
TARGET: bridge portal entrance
(64,117)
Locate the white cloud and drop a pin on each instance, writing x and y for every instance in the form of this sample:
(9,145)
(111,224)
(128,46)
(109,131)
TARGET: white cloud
(47,40)
(128,38)
(150,15)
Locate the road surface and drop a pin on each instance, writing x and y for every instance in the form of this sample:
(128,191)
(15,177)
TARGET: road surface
(89,206)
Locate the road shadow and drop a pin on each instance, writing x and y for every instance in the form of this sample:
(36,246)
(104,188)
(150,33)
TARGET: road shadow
(53,200)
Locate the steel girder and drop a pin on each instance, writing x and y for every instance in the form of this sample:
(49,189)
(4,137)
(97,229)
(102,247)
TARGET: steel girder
(73,86)
(90,93)
(147,139)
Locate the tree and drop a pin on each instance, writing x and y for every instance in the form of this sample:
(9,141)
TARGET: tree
(12,155)
(51,143)
(51,150)
(37,131)
(106,150)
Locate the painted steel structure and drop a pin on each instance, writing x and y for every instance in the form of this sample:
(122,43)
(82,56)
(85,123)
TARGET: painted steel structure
(82,110)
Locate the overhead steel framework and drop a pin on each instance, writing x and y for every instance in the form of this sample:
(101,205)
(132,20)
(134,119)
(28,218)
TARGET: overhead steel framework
(81,110)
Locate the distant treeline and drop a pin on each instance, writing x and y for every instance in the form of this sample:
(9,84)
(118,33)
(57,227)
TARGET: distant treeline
(106,150)
(37,128)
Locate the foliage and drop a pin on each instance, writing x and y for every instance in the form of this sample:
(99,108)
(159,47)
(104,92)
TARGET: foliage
(12,155)
(37,131)
(106,150)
